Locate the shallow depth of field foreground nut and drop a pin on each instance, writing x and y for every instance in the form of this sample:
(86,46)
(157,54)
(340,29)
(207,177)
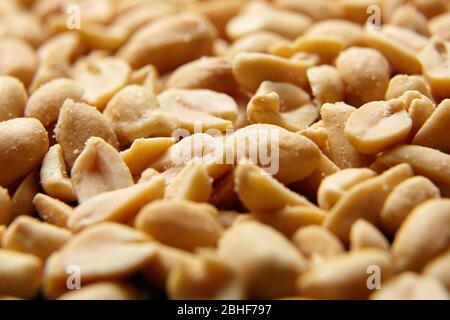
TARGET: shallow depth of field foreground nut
(224,149)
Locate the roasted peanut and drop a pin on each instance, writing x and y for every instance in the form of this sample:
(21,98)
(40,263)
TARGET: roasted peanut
(46,102)
(104,252)
(52,210)
(54,177)
(260,41)
(403,199)
(365,235)
(439,26)
(411,286)
(316,9)
(407,16)
(422,236)
(17,59)
(365,73)
(378,126)
(28,235)
(13,98)
(317,244)
(180,224)
(20,274)
(119,206)
(99,169)
(22,199)
(344,276)
(402,83)
(438,269)
(268,272)
(78,122)
(23,144)
(170,42)
(326,84)
(365,201)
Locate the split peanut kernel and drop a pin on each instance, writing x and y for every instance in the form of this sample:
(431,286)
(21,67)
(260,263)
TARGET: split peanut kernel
(365,235)
(181,224)
(13,98)
(22,199)
(401,83)
(326,84)
(52,210)
(378,126)
(23,145)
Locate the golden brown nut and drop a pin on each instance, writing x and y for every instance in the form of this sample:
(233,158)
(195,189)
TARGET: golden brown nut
(29,235)
(164,44)
(13,98)
(422,236)
(78,122)
(17,59)
(5,206)
(22,199)
(267,262)
(181,224)
(23,145)
(46,102)
(20,274)
(402,83)
(52,210)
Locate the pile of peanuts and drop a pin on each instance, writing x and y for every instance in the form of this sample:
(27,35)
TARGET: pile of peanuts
(89,187)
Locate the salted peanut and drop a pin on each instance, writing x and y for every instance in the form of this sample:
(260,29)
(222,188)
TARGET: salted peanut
(187,103)
(260,41)
(170,42)
(434,59)
(118,206)
(267,272)
(134,113)
(261,193)
(440,26)
(326,84)
(356,10)
(349,32)
(101,78)
(213,73)
(403,199)
(46,102)
(265,107)
(341,152)
(134,18)
(420,109)
(22,199)
(399,45)
(192,184)
(346,276)
(165,259)
(29,235)
(411,286)
(98,169)
(181,224)
(24,26)
(430,8)
(288,156)
(23,144)
(102,291)
(105,252)
(54,177)
(52,210)
(20,274)
(428,162)
(291,218)
(147,77)
(326,47)
(218,12)
(317,243)
(310,185)
(422,236)
(407,16)
(365,235)
(78,122)
(251,69)
(5,206)
(365,73)
(365,201)
(283,22)
(402,83)
(143,152)
(316,9)
(378,126)
(55,57)
(13,97)
(291,96)
(319,135)
(17,59)
(336,185)
(204,278)
(438,269)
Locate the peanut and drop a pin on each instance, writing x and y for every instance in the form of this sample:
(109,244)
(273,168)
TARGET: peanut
(13,98)
(365,235)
